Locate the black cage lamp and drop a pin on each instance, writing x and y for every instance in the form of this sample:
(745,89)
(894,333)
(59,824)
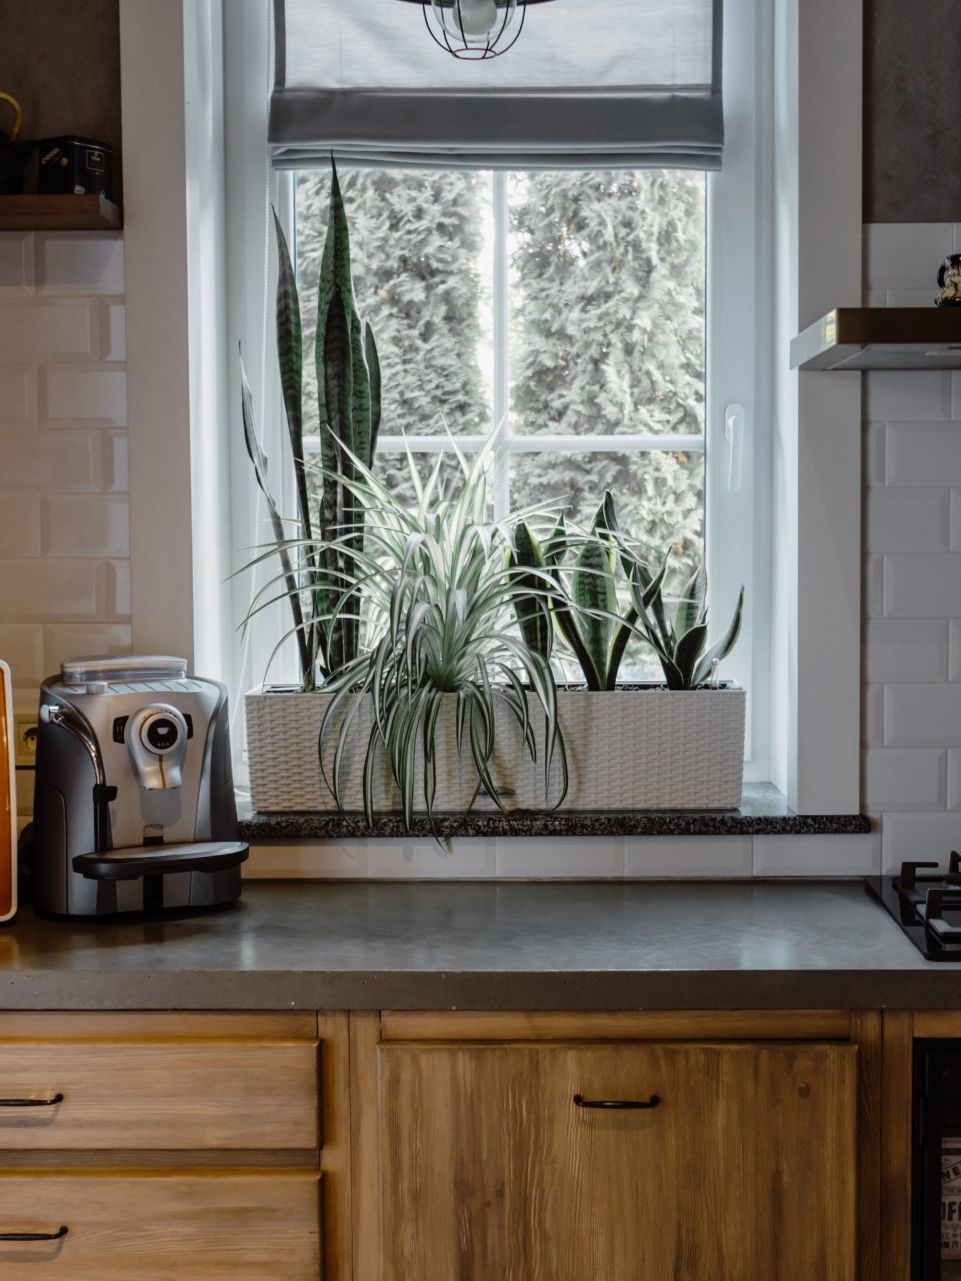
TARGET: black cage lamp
(475,29)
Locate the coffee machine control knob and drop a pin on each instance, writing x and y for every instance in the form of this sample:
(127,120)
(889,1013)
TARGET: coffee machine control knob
(157,741)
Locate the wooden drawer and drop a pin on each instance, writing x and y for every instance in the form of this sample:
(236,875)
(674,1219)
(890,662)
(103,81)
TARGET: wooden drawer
(158,1095)
(161,1228)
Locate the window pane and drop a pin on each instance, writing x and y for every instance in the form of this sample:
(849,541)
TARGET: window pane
(421,252)
(659,496)
(607,302)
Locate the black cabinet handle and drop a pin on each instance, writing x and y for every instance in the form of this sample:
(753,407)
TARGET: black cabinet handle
(32,1103)
(616,1105)
(60,1233)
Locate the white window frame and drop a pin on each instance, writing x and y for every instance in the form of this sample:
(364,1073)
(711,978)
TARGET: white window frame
(182,408)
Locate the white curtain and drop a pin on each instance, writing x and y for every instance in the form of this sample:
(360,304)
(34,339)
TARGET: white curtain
(590,83)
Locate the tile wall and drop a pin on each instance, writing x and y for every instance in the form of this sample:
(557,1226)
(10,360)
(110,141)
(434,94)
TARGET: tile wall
(912,568)
(64,536)
(64,584)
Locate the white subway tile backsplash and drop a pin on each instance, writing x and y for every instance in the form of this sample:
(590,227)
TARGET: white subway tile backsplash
(904,778)
(114,331)
(872,587)
(905,255)
(908,520)
(49,589)
(20,525)
(902,396)
(566,858)
(954,650)
(64,462)
(816,855)
(85,393)
(918,836)
(687,856)
(872,715)
(78,640)
(80,262)
(419,858)
(117,586)
(44,329)
(116,474)
(21,647)
(922,715)
(84,527)
(954,778)
(923,454)
(292,860)
(16,263)
(18,396)
(906,649)
(919,585)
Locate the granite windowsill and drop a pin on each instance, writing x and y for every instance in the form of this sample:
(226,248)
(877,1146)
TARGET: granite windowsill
(763,812)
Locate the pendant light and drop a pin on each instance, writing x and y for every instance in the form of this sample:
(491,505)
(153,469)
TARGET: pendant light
(475,30)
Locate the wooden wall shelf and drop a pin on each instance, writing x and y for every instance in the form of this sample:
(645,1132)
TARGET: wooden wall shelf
(859,338)
(58,213)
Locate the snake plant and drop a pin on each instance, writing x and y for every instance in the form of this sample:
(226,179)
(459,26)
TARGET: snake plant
(316,566)
(438,611)
(678,636)
(587,610)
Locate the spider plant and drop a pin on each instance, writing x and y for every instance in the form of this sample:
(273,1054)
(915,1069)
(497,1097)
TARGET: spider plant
(587,611)
(678,633)
(439,633)
(316,566)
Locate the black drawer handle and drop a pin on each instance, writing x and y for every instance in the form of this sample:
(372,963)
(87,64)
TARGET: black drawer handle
(60,1233)
(616,1105)
(32,1103)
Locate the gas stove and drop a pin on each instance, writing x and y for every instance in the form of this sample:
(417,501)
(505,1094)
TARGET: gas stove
(926,903)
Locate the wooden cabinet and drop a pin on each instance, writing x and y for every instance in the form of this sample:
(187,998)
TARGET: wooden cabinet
(746,1165)
(167,1147)
(156,1227)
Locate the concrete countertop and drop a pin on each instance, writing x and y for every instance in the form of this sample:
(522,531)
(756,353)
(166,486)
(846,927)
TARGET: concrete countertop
(592,946)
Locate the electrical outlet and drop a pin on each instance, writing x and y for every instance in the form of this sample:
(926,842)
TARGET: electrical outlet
(25,740)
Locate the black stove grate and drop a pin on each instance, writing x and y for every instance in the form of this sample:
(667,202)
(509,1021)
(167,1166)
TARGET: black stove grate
(926,903)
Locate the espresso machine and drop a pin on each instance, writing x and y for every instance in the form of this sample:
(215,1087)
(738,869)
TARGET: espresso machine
(134,805)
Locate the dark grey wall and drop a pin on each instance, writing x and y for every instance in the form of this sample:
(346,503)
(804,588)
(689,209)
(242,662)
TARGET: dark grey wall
(61,60)
(912,111)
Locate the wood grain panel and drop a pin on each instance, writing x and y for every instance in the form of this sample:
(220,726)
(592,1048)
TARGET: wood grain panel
(936,1024)
(745,1169)
(334,1030)
(192,1025)
(866,1033)
(159,1096)
(897,1048)
(177,1228)
(670,1025)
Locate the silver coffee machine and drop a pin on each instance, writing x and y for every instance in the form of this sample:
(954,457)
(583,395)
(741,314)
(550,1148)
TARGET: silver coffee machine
(134,805)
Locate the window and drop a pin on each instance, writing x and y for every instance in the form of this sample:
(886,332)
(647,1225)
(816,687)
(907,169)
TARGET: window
(565,309)
(613,322)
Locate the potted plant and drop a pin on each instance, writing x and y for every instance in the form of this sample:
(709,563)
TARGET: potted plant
(434,644)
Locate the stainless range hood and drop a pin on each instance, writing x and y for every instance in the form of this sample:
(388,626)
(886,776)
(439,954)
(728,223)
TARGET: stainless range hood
(858,338)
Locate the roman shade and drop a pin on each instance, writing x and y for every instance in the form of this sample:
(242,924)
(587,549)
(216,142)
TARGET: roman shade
(590,84)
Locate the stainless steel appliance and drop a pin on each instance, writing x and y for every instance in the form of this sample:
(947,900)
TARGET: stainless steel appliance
(134,805)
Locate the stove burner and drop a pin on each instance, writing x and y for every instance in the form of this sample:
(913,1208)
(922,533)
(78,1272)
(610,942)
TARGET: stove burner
(926,906)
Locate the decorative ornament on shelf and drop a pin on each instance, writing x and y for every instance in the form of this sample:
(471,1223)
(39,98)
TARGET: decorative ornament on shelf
(475,30)
(949,282)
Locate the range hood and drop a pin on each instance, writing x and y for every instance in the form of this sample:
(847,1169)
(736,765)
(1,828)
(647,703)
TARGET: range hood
(881,338)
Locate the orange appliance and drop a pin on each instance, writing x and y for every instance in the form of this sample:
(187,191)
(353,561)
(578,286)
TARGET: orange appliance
(8,799)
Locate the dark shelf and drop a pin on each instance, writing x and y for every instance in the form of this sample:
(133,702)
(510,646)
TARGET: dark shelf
(58,213)
(763,812)
(859,338)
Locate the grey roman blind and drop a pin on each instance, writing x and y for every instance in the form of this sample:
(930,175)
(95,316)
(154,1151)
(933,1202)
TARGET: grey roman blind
(590,83)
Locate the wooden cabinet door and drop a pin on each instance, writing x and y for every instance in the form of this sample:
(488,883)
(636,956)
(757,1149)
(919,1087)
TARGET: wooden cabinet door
(150,1227)
(745,1168)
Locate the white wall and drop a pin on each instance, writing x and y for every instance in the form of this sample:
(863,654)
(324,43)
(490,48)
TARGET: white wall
(64,529)
(912,569)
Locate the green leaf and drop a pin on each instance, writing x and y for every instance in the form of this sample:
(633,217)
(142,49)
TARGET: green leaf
(687,652)
(373,369)
(594,594)
(720,651)
(532,610)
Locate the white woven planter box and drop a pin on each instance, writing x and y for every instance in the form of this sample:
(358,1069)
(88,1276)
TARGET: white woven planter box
(632,749)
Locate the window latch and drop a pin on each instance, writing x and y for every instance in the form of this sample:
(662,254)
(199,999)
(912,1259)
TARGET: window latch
(734,420)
